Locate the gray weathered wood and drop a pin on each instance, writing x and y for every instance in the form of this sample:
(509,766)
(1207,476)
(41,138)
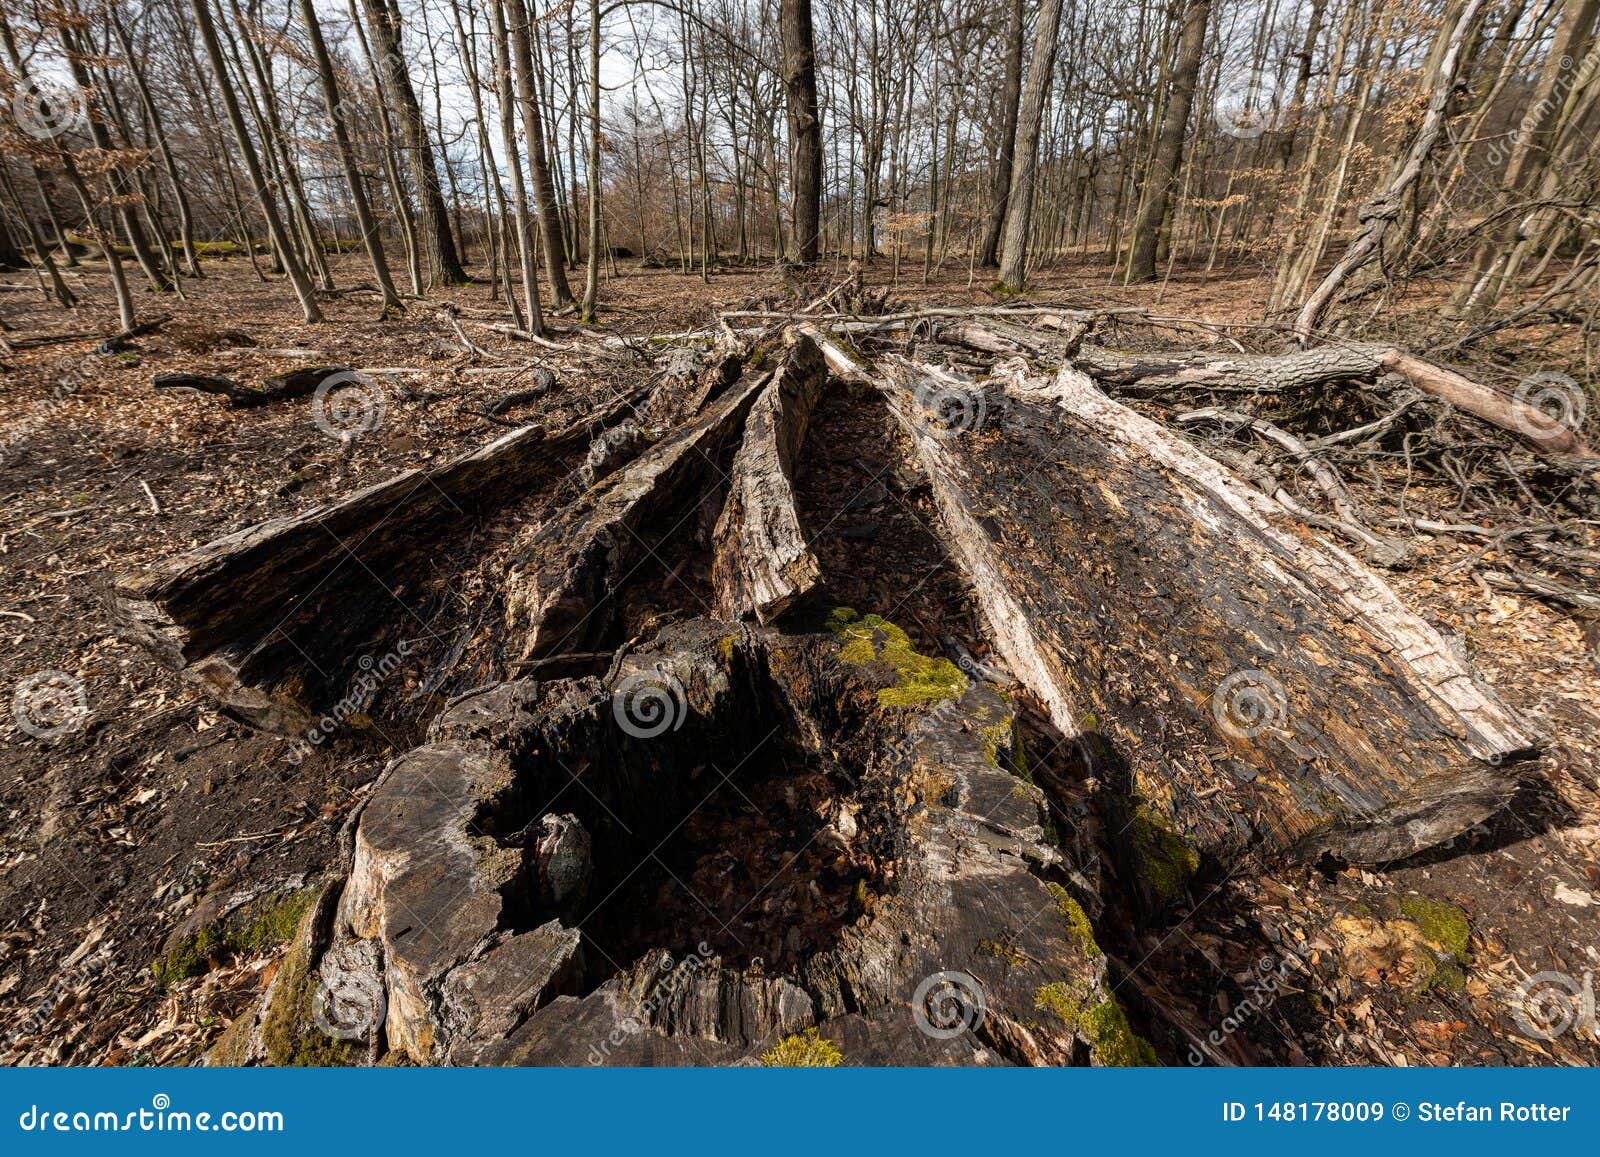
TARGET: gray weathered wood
(763,564)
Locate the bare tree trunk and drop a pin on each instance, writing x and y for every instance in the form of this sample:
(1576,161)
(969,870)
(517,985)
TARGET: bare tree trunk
(384,24)
(544,190)
(191,256)
(1000,182)
(1019,209)
(252,162)
(337,112)
(1378,213)
(591,279)
(1167,159)
(805,126)
(526,242)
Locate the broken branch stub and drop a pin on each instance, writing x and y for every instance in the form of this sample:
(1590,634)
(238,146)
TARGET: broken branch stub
(1248,686)
(763,564)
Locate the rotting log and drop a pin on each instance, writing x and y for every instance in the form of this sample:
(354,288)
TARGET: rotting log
(562,575)
(1245,685)
(1271,374)
(271,619)
(763,564)
(494,915)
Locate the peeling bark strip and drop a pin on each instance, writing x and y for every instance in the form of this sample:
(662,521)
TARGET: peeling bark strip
(1258,687)
(560,582)
(271,619)
(762,562)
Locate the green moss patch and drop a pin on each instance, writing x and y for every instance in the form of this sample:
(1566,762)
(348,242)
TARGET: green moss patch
(237,935)
(1057,998)
(1165,862)
(808,1050)
(289,1031)
(1112,1038)
(1441,922)
(1078,925)
(919,680)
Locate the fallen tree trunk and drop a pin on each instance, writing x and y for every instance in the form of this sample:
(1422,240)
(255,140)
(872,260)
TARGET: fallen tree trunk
(763,564)
(1272,374)
(271,619)
(1248,687)
(562,576)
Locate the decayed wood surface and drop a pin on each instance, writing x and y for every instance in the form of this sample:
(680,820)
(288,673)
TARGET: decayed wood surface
(511,973)
(560,582)
(270,617)
(763,564)
(1254,687)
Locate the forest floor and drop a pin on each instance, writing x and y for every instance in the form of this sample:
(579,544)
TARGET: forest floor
(120,834)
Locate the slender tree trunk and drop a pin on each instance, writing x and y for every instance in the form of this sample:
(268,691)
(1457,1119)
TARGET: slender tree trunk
(1378,213)
(805,126)
(544,190)
(1019,208)
(337,111)
(383,24)
(1000,180)
(1167,160)
(591,280)
(252,162)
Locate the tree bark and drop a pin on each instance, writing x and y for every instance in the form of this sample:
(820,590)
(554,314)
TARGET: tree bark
(805,126)
(1167,160)
(337,112)
(1000,180)
(1019,207)
(383,22)
(252,162)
